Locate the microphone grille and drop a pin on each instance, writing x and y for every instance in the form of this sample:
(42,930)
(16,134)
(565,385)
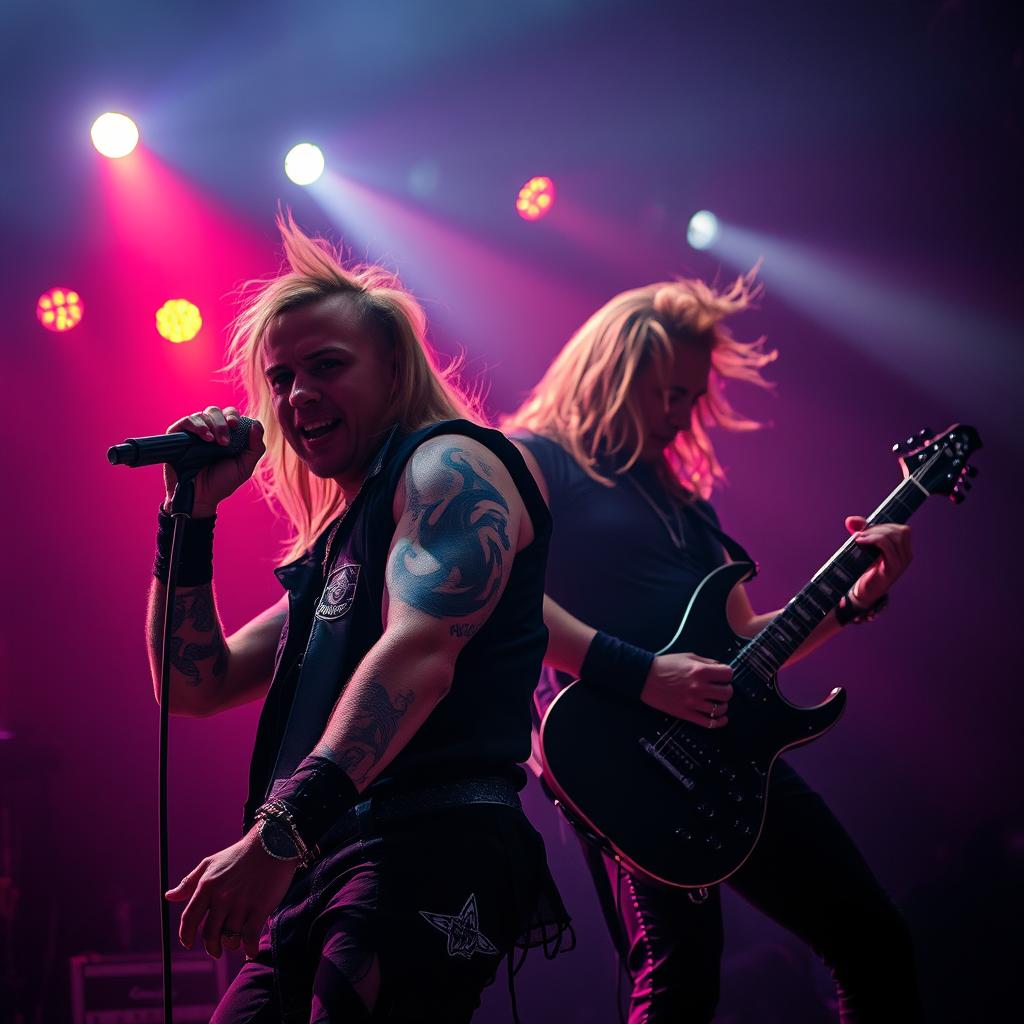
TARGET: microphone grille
(239,435)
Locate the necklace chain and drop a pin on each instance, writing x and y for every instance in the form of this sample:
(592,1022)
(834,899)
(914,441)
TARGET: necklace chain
(675,535)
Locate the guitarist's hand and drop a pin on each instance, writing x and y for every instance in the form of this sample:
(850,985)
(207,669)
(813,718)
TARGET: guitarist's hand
(893,541)
(691,687)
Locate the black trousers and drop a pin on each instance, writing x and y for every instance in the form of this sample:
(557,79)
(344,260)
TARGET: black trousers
(405,922)
(806,874)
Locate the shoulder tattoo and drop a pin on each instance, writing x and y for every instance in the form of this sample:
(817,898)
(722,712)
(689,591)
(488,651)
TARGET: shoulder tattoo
(454,561)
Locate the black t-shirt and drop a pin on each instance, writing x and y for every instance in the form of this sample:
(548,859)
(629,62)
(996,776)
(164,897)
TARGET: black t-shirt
(613,563)
(482,726)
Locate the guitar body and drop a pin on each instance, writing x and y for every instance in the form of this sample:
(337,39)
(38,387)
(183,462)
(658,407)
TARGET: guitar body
(680,804)
(684,805)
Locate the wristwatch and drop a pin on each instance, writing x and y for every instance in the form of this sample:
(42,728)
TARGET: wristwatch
(276,840)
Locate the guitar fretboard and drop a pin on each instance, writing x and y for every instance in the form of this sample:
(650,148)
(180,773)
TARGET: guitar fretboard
(767,652)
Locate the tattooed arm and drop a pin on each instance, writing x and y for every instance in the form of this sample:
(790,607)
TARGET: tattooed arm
(460,523)
(209,672)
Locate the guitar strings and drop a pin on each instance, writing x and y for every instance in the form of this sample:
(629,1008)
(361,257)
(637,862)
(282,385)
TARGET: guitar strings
(751,655)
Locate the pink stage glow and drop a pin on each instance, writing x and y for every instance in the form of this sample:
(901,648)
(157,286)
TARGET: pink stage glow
(464,281)
(167,238)
(59,309)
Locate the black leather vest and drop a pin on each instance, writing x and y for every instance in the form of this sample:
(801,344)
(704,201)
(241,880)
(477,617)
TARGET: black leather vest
(334,617)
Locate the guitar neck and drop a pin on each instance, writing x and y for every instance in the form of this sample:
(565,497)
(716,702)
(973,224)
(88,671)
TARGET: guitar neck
(767,652)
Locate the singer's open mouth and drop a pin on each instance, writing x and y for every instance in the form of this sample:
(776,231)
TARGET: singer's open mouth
(315,430)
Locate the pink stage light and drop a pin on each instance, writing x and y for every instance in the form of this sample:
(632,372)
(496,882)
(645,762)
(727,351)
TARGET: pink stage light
(536,198)
(59,309)
(178,320)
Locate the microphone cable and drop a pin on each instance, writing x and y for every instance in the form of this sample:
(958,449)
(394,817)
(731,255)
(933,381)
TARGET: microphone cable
(181,510)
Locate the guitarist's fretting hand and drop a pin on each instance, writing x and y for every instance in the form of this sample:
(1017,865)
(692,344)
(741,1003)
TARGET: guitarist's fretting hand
(691,687)
(893,541)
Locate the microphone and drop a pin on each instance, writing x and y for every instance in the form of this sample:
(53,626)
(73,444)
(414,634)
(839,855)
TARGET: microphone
(184,451)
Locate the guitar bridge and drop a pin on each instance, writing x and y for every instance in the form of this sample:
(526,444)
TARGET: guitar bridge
(671,768)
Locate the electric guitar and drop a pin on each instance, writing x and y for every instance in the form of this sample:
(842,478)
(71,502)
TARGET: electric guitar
(683,805)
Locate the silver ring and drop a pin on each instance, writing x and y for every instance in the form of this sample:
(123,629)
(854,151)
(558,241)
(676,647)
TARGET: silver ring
(713,712)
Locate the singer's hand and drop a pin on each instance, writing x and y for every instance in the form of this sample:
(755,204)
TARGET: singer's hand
(230,895)
(217,481)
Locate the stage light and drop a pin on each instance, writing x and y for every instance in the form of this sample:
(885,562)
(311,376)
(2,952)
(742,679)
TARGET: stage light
(59,309)
(178,320)
(702,230)
(114,135)
(536,198)
(304,163)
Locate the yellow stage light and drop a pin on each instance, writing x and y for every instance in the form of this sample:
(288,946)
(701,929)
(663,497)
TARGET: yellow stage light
(178,320)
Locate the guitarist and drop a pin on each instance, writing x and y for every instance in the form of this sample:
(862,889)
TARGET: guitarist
(615,435)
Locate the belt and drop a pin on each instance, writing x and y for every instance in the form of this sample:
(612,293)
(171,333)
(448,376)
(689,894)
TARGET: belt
(383,810)
(441,797)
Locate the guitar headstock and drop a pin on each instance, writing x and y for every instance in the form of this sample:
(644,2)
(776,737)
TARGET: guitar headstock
(938,462)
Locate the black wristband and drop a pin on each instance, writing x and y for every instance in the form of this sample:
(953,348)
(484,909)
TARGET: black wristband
(196,565)
(847,611)
(616,667)
(317,794)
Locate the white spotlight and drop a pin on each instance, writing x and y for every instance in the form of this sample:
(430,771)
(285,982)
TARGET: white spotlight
(114,135)
(304,163)
(702,230)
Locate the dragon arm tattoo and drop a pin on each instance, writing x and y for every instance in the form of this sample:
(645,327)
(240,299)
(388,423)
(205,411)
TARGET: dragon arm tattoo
(454,564)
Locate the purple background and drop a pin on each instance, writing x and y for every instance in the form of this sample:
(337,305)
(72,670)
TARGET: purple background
(870,154)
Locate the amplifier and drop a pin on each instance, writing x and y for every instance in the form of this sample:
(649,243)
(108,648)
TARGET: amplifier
(126,988)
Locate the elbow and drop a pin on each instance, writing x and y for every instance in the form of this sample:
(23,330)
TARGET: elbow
(435,672)
(423,659)
(191,706)
(437,678)
(196,710)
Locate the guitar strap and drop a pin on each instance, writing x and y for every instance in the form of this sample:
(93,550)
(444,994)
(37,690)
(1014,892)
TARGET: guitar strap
(736,551)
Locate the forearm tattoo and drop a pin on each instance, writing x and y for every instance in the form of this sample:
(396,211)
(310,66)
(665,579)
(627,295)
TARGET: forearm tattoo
(454,564)
(185,660)
(373,727)
(196,608)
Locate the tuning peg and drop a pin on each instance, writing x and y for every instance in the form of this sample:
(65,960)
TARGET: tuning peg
(957,498)
(897,446)
(925,432)
(972,471)
(910,442)
(965,486)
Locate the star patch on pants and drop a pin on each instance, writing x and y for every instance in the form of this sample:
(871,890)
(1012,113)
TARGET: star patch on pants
(463,930)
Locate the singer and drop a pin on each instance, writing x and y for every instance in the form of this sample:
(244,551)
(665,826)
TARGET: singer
(386,866)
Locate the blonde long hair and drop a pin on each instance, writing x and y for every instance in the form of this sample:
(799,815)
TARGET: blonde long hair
(586,400)
(424,392)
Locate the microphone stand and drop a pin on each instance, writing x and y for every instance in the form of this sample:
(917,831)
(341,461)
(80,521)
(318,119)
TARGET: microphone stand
(182,502)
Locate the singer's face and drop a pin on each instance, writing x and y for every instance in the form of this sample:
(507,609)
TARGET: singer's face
(332,380)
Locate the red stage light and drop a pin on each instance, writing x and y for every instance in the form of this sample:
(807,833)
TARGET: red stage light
(59,309)
(535,198)
(178,320)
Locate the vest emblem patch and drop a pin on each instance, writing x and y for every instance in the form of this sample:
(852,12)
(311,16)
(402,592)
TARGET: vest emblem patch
(339,592)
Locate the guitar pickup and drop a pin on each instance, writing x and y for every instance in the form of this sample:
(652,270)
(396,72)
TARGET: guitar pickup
(658,756)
